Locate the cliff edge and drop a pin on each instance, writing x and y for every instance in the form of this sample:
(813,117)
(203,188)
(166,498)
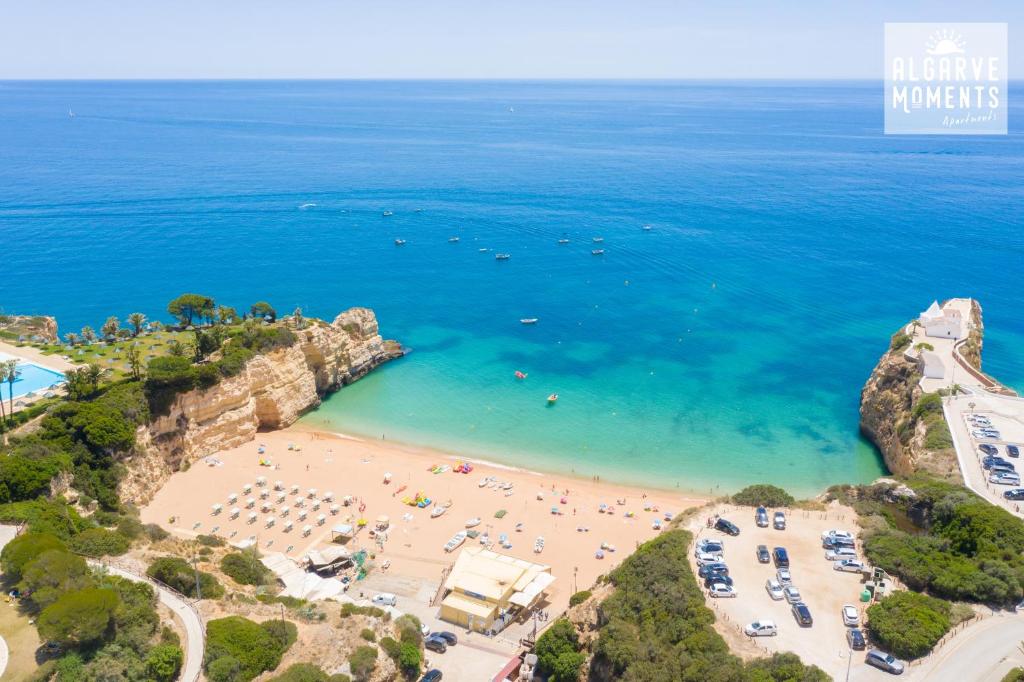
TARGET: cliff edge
(903,421)
(271,392)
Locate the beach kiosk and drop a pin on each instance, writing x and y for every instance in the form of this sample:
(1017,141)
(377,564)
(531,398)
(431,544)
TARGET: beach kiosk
(342,532)
(485,590)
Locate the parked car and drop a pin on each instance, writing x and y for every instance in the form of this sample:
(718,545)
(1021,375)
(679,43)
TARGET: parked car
(761,517)
(385,599)
(450,638)
(848,566)
(791,593)
(784,576)
(762,554)
(1001,469)
(779,521)
(727,527)
(715,579)
(781,557)
(837,534)
(721,590)
(705,558)
(1013,451)
(985,434)
(836,543)
(774,589)
(1015,494)
(761,628)
(435,644)
(713,569)
(1007,478)
(884,661)
(992,460)
(850,616)
(988,449)
(840,553)
(855,638)
(710,546)
(802,614)
(432,676)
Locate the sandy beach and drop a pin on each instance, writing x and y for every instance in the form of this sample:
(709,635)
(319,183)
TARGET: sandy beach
(355,467)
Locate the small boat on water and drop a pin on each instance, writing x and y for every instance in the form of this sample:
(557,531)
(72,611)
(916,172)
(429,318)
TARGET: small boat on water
(647,228)
(483,250)
(399,242)
(502,256)
(529,320)
(563,241)
(598,240)
(552,399)
(521,375)
(418,210)
(453,240)
(597,252)
(387,214)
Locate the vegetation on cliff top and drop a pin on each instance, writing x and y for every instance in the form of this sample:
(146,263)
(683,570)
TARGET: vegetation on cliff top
(764,495)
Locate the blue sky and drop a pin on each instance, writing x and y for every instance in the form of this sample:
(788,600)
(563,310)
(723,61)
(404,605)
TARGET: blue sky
(465,38)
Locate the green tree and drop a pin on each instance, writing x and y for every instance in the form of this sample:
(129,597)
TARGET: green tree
(137,321)
(22,550)
(410,659)
(97,542)
(264,310)
(188,307)
(164,661)
(908,624)
(79,617)
(88,335)
(254,648)
(244,568)
(72,338)
(11,376)
(226,314)
(134,356)
(178,574)
(110,327)
(52,574)
(557,654)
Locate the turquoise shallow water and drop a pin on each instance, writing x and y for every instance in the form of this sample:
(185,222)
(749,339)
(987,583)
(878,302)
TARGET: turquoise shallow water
(726,345)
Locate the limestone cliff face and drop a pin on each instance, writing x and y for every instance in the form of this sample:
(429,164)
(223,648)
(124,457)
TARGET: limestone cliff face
(888,418)
(28,327)
(272,391)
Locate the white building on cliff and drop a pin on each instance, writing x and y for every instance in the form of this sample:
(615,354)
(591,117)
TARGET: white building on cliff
(941,323)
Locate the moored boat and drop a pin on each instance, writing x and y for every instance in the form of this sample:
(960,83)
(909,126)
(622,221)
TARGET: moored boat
(597,252)
(529,320)
(399,242)
(502,256)
(453,240)
(520,375)
(387,214)
(552,399)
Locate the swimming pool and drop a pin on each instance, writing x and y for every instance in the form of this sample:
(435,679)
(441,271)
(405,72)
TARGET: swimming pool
(33,378)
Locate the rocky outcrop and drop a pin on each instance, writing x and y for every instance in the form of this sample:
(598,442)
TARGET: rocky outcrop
(29,328)
(272,392)
(893,417)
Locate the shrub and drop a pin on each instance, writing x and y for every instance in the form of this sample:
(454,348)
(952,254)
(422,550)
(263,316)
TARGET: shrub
(410,659)
(350,609)
(210,541)
(155,533)
(301,672)
(362,661)
(164,661)
(579,598)
(391,647)
(44,516)
(166,377)
(24,478)
(368,634)
(52,574)
(763,495)
(284,632)
(78,618)
(97,542)
(900,340)
(908,624)
(557,655)
(250,648)
(23,549)
(409,628)
(178,574)
(244,568)
(130,527)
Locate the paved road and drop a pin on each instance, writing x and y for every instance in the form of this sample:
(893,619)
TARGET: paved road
(983,651)
(194,644)
(3,656)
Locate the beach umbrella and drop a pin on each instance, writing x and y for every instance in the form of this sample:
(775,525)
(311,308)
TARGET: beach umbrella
(232,498)
(278,485)
(320,519)
(311,493)
(335,509)
(294,489)
(306,530)
(328,496)
(250,503)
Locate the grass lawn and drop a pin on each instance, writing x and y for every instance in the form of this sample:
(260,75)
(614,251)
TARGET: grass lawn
(22,640)
(112,355)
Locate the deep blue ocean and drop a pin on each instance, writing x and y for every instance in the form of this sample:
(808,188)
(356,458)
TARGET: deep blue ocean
(727,344)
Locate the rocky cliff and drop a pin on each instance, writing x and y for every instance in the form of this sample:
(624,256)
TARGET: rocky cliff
(903,422)
(28,327)
(272,391)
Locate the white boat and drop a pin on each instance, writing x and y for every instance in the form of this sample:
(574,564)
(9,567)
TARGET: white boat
(399,242)
(597,252)
(647,228)
(387,214)
(502,256)
(538,544)
(456,540)
(453,240)
(598,240)
(529,320)
(437,511)
(482,483)
(71,114)
(475,521)
(483,250)
(563,241)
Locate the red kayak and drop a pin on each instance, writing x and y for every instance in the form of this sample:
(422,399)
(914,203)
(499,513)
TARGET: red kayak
(520,375)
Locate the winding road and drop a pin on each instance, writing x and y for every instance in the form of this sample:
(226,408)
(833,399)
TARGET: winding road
(985,650)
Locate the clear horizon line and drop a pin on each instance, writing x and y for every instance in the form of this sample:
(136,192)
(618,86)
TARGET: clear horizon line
(443,78)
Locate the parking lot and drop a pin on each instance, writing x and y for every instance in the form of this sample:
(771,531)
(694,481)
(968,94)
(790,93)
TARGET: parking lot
(967,415)
(825,591)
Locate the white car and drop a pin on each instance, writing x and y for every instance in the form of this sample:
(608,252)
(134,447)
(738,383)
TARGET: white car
(850,616)
(774,589)
(841,553)
(705,558)
(721,590)
(985,435)
(761,628)
(784,576)
(1004,479)
(385,599)
(792,594)
(834,533)
(848,566)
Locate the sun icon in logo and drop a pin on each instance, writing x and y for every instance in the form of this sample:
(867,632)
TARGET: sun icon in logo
(945,42)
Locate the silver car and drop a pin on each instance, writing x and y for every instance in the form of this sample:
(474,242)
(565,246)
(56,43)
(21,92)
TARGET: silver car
(792,594)
(779,521)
